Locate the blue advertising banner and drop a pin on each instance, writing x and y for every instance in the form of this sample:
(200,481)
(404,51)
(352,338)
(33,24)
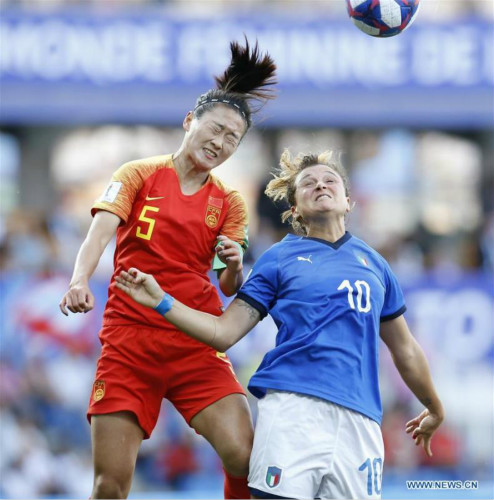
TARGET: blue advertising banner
(451,316)
(77,66)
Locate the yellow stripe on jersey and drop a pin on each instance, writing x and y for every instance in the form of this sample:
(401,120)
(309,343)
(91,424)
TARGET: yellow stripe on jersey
(132,176)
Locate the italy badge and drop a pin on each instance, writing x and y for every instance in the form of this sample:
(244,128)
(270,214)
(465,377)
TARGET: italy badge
(273,476)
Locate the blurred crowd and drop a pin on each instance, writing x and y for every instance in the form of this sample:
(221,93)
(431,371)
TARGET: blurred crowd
(423,199)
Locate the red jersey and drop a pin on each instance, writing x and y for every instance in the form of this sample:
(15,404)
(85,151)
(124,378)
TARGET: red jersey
(169,235)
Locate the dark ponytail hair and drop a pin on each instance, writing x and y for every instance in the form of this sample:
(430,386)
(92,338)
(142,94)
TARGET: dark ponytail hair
(246,79)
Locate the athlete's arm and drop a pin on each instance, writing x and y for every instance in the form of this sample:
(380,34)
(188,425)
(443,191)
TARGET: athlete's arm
(230,278)
(412,364)
(79,297)
(219,332)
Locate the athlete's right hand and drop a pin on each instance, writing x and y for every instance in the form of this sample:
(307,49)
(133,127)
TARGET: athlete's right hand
(142,287)
(78,299)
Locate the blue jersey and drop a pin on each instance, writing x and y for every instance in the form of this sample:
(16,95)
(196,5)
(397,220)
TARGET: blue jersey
(327,300)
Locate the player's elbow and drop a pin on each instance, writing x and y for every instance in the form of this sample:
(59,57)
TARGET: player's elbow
(229,289)
(230,283)
(222,344)
(408,357)
(227,292)
(223,339)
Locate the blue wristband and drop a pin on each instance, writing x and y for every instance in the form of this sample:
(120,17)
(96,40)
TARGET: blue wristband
(165,305)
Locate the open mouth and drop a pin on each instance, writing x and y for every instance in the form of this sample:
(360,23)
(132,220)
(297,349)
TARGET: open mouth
(322,196)
(210,153)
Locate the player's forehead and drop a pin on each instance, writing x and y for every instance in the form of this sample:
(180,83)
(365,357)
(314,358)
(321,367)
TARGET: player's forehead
(316,171)
(225,116)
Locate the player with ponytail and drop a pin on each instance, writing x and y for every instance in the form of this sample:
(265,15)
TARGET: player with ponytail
(173,218)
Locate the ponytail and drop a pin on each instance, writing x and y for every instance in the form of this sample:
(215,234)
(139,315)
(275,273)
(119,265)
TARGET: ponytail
(248,78)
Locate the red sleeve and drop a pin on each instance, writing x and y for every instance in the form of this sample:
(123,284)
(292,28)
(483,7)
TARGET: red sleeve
(126,182)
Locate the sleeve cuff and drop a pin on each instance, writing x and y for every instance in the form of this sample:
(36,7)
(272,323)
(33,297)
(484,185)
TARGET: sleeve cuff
(97,207)
(389,317)
(253,302)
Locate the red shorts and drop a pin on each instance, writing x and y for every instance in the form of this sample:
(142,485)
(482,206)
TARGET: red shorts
(140,366)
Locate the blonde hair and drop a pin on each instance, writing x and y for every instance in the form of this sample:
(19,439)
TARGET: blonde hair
(282,186)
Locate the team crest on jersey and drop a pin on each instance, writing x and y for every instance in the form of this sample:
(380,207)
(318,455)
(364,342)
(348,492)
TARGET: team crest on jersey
(362,258)
(213,211)
(98,390)
(273,476)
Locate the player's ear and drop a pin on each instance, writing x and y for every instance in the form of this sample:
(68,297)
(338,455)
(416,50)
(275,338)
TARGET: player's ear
(296,214)
(348,204)
(188,120)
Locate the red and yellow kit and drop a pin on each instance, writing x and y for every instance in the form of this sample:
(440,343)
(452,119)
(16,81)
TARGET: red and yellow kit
(171,236)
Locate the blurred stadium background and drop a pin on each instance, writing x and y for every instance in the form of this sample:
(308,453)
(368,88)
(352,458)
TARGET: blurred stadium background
(87,85)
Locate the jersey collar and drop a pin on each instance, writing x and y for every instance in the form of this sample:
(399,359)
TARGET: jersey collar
(337,244)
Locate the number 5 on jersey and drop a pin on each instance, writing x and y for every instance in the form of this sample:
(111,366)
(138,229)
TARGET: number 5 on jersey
(146,235)
(360,285)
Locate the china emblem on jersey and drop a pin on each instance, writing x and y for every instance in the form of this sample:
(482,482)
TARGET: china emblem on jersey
(273,476)
(98,390)
(213,211)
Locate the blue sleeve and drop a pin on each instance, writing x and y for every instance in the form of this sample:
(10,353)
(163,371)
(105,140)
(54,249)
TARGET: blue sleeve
(394,302)
(261,287)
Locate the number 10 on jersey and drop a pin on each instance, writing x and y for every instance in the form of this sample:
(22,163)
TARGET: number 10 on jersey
(363,290)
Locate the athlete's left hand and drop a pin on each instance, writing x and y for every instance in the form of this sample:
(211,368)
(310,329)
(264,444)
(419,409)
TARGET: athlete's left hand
(422,429)
(229,253)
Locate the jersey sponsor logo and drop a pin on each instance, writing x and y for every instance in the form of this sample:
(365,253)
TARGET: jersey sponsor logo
(111,191)
(273,476)
(307,259)
(98,390)
(151,198)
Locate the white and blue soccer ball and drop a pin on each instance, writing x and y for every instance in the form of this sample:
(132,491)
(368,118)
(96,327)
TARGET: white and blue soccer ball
(382,17)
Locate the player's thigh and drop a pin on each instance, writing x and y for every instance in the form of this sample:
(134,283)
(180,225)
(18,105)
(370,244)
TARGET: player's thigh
(130,375)
(116,438)
(293,443)
(227,425)
(358,461)
(208,395)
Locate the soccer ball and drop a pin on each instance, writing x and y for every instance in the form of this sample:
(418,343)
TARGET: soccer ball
(382,17)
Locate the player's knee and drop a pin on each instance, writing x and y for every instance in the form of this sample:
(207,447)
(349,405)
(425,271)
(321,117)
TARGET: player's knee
(106,486)
(236,457)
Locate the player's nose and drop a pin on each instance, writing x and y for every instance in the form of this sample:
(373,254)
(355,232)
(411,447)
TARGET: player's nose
(217,143)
